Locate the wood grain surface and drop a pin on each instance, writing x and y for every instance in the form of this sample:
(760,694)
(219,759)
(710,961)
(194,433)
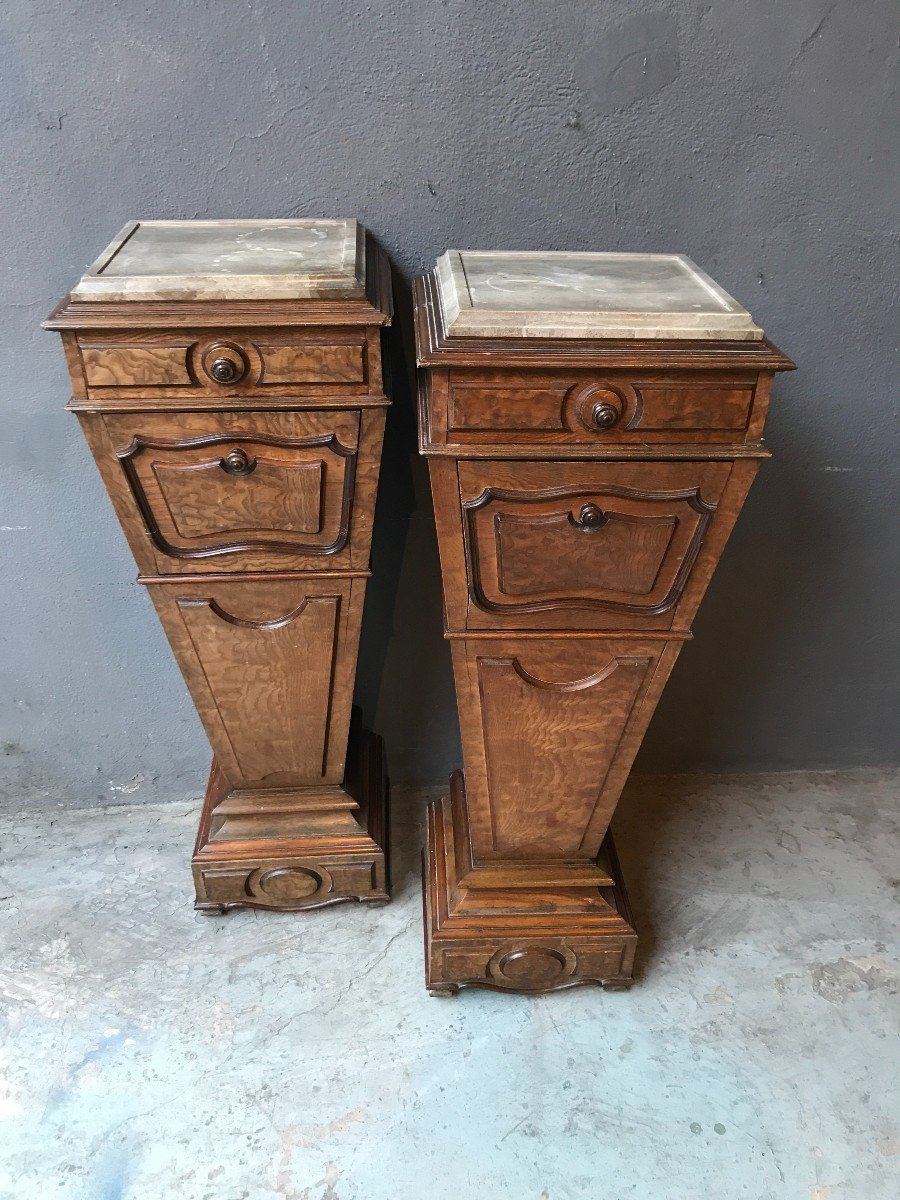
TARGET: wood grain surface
(584,492)
(240,444)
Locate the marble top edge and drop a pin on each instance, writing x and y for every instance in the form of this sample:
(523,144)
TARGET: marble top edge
(579,294)
(235,259)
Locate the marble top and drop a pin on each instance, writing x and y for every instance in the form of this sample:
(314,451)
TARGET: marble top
(229,260)
(524,294)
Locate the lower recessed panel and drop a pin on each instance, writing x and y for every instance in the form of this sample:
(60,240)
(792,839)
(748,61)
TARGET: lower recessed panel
(269,666)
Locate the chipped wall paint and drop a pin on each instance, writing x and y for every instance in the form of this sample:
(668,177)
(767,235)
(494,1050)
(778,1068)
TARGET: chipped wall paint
(631,61)
(756,138)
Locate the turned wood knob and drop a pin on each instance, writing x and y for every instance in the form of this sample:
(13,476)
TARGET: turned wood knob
(604,416)
(237,462)
(225,370)
(591,517)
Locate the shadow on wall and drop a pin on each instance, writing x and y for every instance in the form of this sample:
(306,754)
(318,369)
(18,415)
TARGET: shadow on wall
(727,689)
(406,696)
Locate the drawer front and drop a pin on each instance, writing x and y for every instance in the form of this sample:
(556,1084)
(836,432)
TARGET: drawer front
(547,407)
(222,364)
(584,545)
(270,668)
(235,491)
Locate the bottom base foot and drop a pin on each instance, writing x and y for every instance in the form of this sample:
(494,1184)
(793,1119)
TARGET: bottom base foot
(527,941)
(271,862)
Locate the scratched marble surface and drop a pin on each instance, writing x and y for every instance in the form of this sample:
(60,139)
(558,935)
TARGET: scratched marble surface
(569,294)
(227,260)
(150,1053)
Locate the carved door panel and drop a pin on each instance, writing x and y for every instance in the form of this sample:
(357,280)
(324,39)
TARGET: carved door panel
(237,491)
(550,728)
(584,545)
(270,669)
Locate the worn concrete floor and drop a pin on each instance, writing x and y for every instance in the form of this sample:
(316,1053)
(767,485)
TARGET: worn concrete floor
(152,1053)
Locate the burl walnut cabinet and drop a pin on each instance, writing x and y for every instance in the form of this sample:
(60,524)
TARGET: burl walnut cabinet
(228,378)
(593,423)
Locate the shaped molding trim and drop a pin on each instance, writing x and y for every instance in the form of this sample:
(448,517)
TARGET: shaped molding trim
(277,542)
(663,523)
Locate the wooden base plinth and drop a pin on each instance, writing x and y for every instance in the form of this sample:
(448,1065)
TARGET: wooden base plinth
(528,940)
(293,849)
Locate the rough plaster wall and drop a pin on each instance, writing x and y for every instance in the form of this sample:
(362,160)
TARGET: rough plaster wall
(757,138)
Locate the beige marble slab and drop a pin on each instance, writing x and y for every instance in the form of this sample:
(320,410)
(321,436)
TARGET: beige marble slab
(229,260)
(581,295)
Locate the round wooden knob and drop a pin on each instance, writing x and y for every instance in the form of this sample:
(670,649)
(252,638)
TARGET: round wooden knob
(225,370)
(604,416)
(237,462)
(591,517)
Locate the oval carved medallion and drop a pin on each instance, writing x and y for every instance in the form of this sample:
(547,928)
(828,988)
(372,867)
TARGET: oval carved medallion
(532,966)
(288,885)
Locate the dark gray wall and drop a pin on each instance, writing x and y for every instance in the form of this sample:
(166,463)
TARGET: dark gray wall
(757,138)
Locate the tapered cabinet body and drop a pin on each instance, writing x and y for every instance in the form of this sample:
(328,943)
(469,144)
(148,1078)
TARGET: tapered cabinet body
(228,378)
(593,424)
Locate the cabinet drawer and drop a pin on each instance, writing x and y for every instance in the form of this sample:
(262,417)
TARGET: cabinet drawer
(221,364)
(589,545)
(615,407)
(206,492)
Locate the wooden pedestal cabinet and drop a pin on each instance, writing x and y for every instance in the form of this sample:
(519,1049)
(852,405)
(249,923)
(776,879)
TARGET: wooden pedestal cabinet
(593,424)
(228,378)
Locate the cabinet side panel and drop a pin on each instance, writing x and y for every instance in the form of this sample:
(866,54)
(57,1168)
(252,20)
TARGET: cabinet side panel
(451,547)
(371,437)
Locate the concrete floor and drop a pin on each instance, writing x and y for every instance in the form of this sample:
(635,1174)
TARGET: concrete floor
(152,1053)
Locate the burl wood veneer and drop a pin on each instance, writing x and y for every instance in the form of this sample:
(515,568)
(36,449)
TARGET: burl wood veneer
(228,378)
(593,424)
